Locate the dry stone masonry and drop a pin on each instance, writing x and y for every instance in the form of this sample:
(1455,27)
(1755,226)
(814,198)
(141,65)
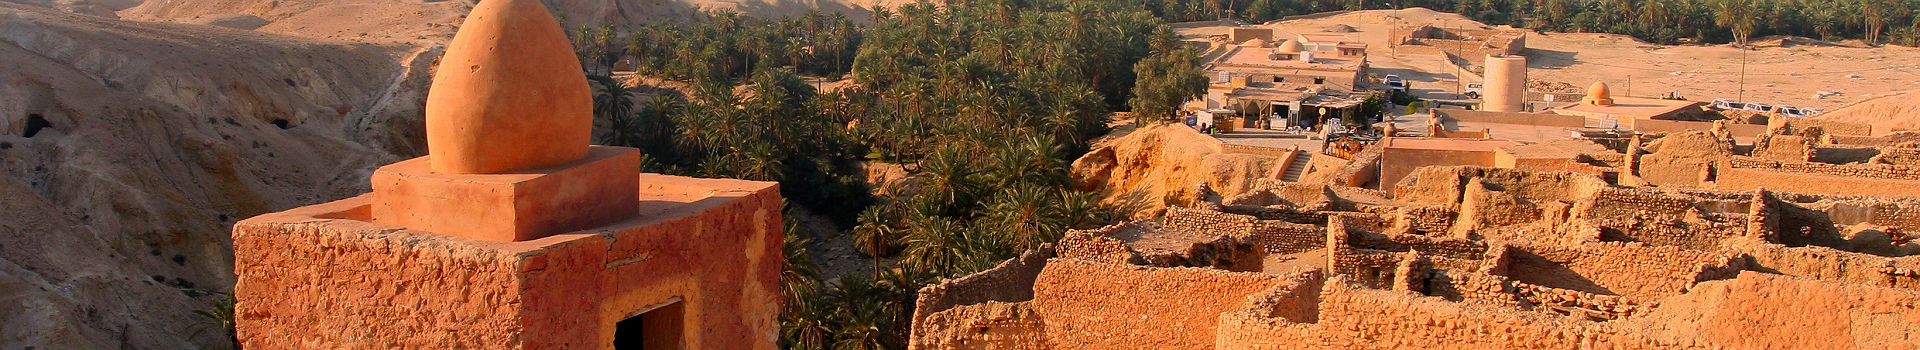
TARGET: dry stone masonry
(1469,257)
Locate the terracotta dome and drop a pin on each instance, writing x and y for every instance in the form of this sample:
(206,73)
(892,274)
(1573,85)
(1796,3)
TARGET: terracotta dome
(1254,43)
(1289,46)
(1599,95)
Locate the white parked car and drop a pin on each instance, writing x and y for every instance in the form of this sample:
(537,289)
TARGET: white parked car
(1726,104)
(1758,107)
(1473,90)
(1394,82)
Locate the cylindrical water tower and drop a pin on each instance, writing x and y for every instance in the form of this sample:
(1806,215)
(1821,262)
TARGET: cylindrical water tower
(1506,86)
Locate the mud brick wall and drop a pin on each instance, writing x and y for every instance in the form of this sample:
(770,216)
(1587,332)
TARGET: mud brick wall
(1011,281)
(1353,318)
(1877,171)
(989,325)
(1828,264)
(1634,270)
(1288,238)
(1089,305)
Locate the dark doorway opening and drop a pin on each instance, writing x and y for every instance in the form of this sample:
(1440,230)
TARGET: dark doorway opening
(282,123)
(656,327)
(35,122)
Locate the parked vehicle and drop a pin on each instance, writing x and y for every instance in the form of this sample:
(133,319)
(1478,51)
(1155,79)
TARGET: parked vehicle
(1758,107)
(1396,83)
(1727,105)
(1473,90)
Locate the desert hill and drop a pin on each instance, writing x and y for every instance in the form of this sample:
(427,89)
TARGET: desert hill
(1892,112)
(130,148)
(432,21)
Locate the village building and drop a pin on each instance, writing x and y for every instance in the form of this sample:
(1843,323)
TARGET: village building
(1300,81)
(513,232)
(1601,104)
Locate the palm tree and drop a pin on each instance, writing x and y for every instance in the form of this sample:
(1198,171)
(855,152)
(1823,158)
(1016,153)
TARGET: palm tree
(613,111)
(1026,215)
(868,314)
(1737,16)
(934,244)
(877,233)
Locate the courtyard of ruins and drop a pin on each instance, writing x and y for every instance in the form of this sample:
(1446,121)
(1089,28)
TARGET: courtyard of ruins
(1661,240)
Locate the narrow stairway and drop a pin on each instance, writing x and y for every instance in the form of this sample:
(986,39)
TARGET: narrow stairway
(1297,168)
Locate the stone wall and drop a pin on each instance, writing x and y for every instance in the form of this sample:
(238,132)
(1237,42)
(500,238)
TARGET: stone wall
(1759,310)
(1658,218)
(1281,153)
(988,325)
(1288,238)
(1089,305)
(1355,318)
(1535,119)
(1748,173)
(325,274)
(1899,156)
(1828,264)
(1615,268)
(1795,125)
(1096,247)
(1656,126)
(1011,281)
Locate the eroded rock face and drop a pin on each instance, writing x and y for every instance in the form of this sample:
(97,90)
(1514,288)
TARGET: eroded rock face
(509,94)
(1158,165)
(148,141)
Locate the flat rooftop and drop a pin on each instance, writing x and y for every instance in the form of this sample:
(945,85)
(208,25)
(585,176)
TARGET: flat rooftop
(1633,107)
(1441,144)
(1256,57)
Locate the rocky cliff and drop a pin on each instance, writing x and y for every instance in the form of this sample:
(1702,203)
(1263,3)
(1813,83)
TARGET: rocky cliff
(1157,166)
(129,149)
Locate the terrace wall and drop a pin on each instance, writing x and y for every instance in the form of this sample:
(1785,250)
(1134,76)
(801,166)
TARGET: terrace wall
(1354,318)
(1536,119)
(1089,305)
(1652,126)
(1747,173)
(1011,281)
(1615,268)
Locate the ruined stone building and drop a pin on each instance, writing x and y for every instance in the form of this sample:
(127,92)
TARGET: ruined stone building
(1461,43)
(1799,238)
(513,232)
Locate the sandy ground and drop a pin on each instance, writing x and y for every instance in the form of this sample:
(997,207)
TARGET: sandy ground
(1775,73)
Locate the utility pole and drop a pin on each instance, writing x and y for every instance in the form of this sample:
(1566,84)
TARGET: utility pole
(1742,98)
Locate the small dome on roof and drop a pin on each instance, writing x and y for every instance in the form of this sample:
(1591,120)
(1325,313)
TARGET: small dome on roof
(1255,43)
(1289,46)
(1599,94)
